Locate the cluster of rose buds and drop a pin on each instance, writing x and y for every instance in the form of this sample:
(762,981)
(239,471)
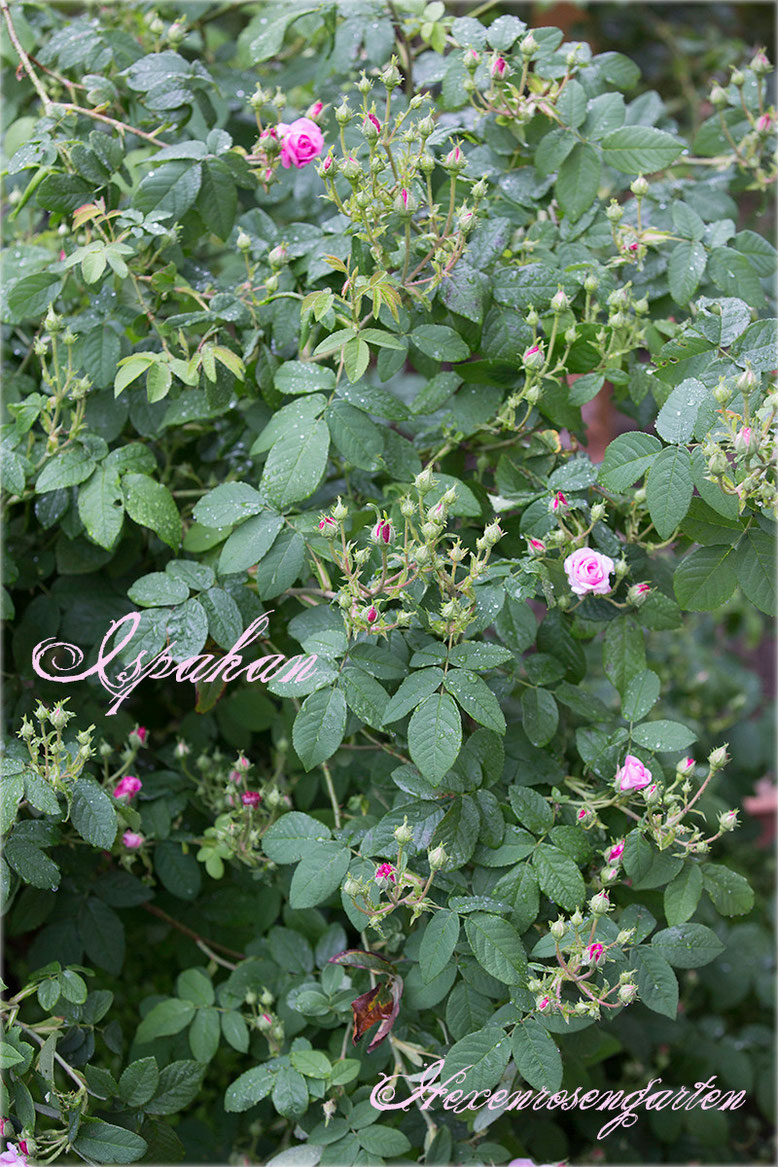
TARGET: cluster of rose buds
(293,144)
(263,1020)
(50,758)
(743,460)
(509,90)
(576,988)
(415,545)
(754,152)
(394,885)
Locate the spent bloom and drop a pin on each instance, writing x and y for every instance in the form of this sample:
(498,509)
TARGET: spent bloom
(128,787)
(633,775)
(132,840)
(301,142)
(251,798)
(589,571)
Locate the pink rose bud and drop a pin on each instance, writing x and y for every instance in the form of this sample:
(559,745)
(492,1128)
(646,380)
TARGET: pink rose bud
(327,522)
(327,163)
(372,615)
(633,775)
(638,592)
(595,951)
(685,765)
(558,501)
(314,110)
(138,736)
(251,798)
(374,121)
(382,531)
(301,142)
(404,197)
(543,1004)
(236,777)
(499,68)
(533,357)
(764,123)
(536,545)
(589,571)
(242,763)
(616,852)
(23,1146)
(633,246)
(132,840)
(127,787)
(745,440)
(62,253)
(385,871)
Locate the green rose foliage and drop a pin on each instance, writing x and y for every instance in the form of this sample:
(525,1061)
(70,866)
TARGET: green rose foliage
(337,376)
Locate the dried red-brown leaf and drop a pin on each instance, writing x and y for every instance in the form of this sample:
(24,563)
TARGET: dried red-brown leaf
(378,1006)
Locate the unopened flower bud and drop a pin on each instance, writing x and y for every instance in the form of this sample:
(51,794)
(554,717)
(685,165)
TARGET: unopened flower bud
(559,302)
(351,886)
(534,357)
(728,820)
(600,903)
(628,993)
(614,212)
(278,256)
(651,793)
(499,68)
(344,113)
(271,284)
(493,533)
(638,593)
(738,78)
(718,96)
(528,46)
(437,858)
(591,284)
(403,834)
(621,568)
(390,77)
(532,395)
(639,187)
(718,758)
(52,322)
(760,64)
(558,928)
(747,380)
(455,160)
(722,393)
(472,60)
(243,242)
(424,481)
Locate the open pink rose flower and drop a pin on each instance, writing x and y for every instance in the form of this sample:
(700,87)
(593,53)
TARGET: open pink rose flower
(633,775)
(127,787)
(589,571)
(301,142)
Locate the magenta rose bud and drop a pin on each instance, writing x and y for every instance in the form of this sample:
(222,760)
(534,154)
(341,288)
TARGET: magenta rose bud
(382,531)
(558,502)
(132,840)
(744,440)
(589,571)
(537,546)
(499,68)
(594,952)
(251,798)
(128,787)
(372,615)
(633,775)
(314,110)
(616,852)
(385,871)
(301,142)
(138,736)
(764,123)
(327,524)
(533,357)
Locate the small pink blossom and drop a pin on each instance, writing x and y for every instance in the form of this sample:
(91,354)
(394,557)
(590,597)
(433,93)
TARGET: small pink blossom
(616,852)
(314,110)
(382,531)
(132,840)
(251,798)
(385,871)
(595,951)
(499,68)
(372,615)
(301,142)
(633,775)
(589,571)
(326,522)
(13,1156)
(128,787)
(764,123)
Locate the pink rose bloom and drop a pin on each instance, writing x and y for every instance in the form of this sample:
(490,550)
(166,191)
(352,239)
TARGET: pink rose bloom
(127,787)
(132,840)
(633,775)
(385,871)
(589,571)
(12,1157)
(301,142)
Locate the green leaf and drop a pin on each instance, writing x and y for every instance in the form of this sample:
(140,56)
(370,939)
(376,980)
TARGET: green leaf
(166,1018)
(171,187)
(290,838)
(157,588)
(411,693)
(682,894)
(669,489)
(435,736)
(270,40)
(68,468)
(179,1084)
(139,1081)
(290,1093)
(356,358)
(627,458)
(178,870)
(304,377)
(531,809)
(678,416)
(731,893)
(684,270)
(440,342)
(540,715)
(249,544)
(31,295)
(755,569)
(101,1142)
(578,180)
(705,579)
(196,986)
(358,439)
(458,831)
(386,1142)
(235,1030)
(101,506)
(438,944)
(217,200)
(319,726)
(757,345)
(483,1054)
(281,565)
(11,794)
(497,947)
(640,149)
(536,1056)
(249,1089)
(31,863)
(364,695)
(318,875)
(687,945)
(476,698)
(623,652)
(295,465)
(92,814)
(227,504)
(640,695)
(152,505)
(663,735)
(290,417)
(656,981)
(102,933)
(204,1034)
(558,876)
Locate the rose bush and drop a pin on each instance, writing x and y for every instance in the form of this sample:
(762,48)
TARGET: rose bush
(305,306)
